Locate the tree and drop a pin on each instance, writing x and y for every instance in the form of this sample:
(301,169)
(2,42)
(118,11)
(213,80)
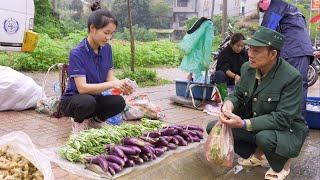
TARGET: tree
(140,13)
(77,7)
(161,15)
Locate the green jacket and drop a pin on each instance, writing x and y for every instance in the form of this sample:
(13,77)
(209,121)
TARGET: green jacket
(274,105)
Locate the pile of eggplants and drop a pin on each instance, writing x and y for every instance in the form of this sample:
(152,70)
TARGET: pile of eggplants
(135,151)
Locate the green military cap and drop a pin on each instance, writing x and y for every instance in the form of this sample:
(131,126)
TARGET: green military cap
(266,37)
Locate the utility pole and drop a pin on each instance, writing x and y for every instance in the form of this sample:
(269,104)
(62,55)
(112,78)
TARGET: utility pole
(131,36)
(224,18)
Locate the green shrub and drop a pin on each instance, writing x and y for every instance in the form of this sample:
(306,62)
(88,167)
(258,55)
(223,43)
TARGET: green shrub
(140,34)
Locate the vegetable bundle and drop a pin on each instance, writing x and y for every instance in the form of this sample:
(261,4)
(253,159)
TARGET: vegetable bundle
(91,142)
(147,147)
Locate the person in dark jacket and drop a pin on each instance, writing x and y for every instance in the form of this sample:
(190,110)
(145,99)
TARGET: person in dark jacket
(297,48)
(230,61)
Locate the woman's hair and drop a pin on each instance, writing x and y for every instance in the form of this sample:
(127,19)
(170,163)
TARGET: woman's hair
(236,37)
(99,18)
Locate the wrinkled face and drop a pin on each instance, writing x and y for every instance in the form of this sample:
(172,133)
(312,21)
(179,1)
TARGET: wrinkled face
(261,57)
(103,35)
(238,46)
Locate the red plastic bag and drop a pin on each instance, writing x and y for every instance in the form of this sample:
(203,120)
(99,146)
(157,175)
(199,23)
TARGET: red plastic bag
(219,145)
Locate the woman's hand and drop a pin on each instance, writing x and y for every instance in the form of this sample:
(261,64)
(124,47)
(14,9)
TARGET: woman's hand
(236,79)
(230,119)
(123,86)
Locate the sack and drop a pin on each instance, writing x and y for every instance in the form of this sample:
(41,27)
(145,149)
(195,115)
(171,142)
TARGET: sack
(18,91)
(20,143)
(219,145)
(139,106)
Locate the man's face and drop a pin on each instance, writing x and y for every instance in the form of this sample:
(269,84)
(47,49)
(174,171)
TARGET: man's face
(260,57)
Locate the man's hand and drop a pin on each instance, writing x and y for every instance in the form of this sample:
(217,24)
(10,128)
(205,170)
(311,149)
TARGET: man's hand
(227,106)
(236,79)
(230,119)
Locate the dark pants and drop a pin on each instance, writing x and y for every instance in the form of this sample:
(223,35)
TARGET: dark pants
(83,106)
(245,144)
(221,77)
(301,64)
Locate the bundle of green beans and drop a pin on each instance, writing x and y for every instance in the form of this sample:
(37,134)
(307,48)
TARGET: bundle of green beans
(92,141)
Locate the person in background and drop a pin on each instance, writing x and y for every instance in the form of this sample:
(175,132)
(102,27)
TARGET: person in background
(297,48)
(91,73)
(264,109)
(230,61)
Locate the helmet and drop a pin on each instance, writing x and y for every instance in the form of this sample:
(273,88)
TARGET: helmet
(264,4)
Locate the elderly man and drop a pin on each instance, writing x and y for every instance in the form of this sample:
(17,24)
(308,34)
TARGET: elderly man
(264,110)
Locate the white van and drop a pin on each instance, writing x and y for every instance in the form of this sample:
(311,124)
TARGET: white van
(16,24)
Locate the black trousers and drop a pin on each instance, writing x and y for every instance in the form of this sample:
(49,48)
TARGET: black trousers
(246,142)
(83,106)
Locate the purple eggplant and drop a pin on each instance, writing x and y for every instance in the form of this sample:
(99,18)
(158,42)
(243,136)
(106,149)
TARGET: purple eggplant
(144,157)
(164,148)
(125,158)
(162,142)
(138,161)
(167,138)
(195,139)
(134,141)
(136,148)
(152,134)
(128,150)
(111,170)
(175,140)
(146,150)
(108,147)
(158,151)
(115,159)
(132,157)
(199,134)
(129,163)
(149,139)
(187,136)
(172,146)
(194,127)
(115,166)
(153,156)
(192,133)
(99,160)
(182,142)
(168,132)
(179,128)
(116,151)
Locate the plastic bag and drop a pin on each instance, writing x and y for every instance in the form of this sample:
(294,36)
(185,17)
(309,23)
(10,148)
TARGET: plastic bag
(219,145)
(19,142)
(18,91)
(48,105)
(139,106)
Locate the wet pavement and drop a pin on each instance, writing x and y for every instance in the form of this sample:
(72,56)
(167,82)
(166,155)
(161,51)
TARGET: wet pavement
(51,132)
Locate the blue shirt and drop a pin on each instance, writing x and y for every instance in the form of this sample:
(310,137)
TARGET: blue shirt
(288,20)
(84,62)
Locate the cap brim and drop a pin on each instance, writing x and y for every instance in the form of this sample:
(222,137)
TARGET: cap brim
(253,42)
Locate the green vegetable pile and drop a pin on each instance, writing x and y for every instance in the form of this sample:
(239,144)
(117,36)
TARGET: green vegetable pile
(92,141)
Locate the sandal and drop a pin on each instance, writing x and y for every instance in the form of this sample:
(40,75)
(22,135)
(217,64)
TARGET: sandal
(253,161)
(271,175)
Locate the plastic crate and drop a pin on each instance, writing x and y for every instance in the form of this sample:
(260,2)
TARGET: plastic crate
(313,117)
(197,91)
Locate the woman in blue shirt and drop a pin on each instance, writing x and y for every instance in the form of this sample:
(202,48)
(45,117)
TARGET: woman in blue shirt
(91,72)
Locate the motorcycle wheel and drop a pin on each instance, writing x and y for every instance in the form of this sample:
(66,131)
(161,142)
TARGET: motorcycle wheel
(312,75)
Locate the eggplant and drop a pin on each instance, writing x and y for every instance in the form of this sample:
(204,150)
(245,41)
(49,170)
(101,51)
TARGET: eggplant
(182,142)
(194,127)
(128,150)
(136,148)
(193,133)
(152,134)
(99,160)
(162,142)
(138,161)
(149,139)
(108,147)
(115,159)
(144,157)
(175,140)
(116,151)
(146,150)
(179,128)
(167,138)
(195,139)
(153,156)
(172,146)
(134,141)
(158,151)
(129,163)
(199,134)
(187,136)
(111,170)
(164,148)
(168,132)
(125,158)
(132,157)
(115,166)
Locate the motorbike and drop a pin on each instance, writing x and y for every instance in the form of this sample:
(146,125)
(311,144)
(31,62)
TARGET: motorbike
(314,69)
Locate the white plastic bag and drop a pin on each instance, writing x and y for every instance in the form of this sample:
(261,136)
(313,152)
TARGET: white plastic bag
(19,142)
(18,91)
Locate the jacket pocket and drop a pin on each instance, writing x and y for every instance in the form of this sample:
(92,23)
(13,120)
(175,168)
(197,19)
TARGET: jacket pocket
(269,102)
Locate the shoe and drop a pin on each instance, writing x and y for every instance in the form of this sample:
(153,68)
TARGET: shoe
(272,175)
(253,161)
(79,127)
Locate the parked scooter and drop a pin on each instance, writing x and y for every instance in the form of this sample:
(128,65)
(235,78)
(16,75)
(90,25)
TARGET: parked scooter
(314,68)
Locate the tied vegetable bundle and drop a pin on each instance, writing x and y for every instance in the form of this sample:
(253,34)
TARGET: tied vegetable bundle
(91,142)
(219,145)
(135,151)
